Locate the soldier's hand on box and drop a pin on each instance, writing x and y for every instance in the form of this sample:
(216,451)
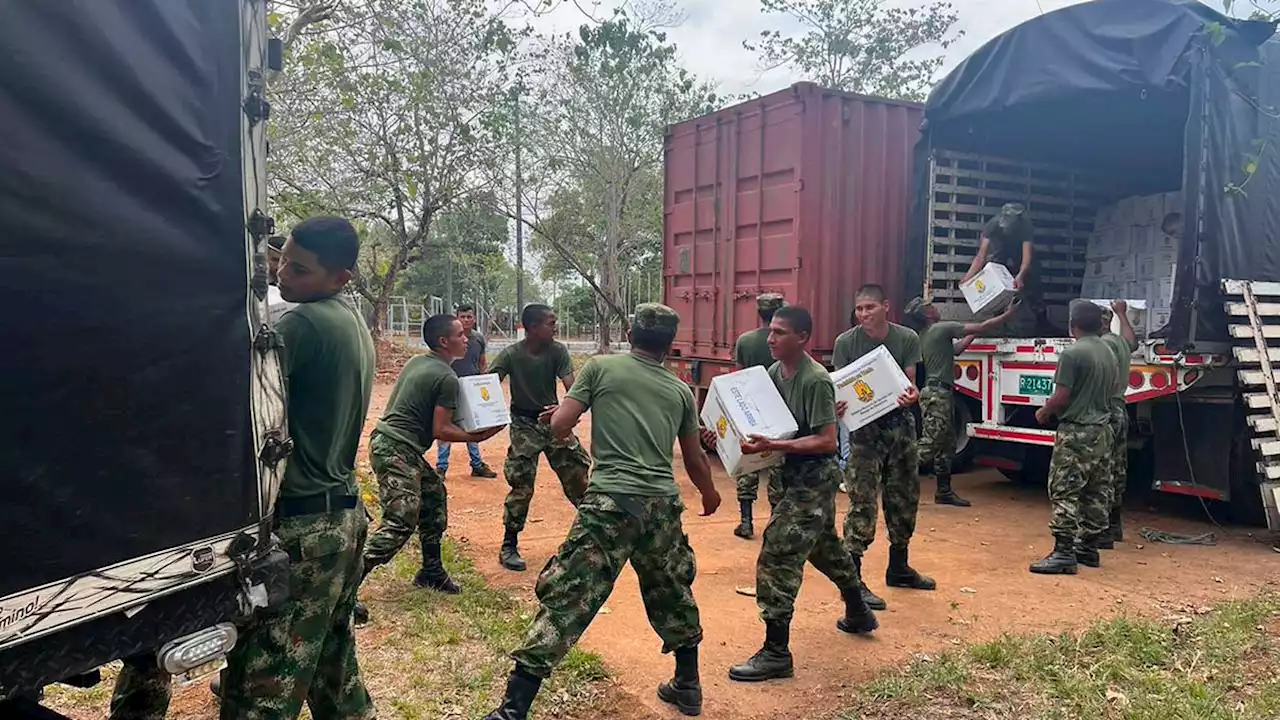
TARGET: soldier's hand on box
(908,398)
(545,416)
(1120,307)
(708,438)
(841,408)
(482,435)
(710,501)
(756,444)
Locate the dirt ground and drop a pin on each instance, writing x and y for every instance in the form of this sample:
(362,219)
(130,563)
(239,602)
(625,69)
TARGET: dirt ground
(978,555)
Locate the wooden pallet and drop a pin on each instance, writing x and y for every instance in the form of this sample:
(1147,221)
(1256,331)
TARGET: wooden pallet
(1254,311)
(968,190)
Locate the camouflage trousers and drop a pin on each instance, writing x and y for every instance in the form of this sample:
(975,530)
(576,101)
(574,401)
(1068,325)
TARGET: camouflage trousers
(802,527)
(143,690)
(568,459)
(305,650)
(1118,471)
(748,486)
(1079,487)
(609,531)
(882,462)
(937,440)
(412,496)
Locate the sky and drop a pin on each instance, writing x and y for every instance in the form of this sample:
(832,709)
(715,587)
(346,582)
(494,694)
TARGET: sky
(710,39)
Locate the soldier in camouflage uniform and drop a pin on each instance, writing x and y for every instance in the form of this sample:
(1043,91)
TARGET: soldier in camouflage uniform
(939,343)
(1084,384)
(1009,239)
(631,512)
(882,454)
(802,526)
(143,690)
(420,411)
(1122,346)
(752,350)
(305,651)
(534,365)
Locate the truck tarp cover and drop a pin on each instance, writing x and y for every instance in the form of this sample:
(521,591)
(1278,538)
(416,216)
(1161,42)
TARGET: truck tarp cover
(126,367)
(1148,71)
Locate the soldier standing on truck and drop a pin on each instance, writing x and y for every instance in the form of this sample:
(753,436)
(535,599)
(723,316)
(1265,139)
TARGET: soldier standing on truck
(534,364)
(1008,239)
(939,343)
(882,454)
(413,496)
(1123,346)
(803,524)
(1084,384)
(306,649)
(752,350)
(630,514)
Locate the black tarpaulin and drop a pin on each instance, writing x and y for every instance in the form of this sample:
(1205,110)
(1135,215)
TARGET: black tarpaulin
(126,369)
(1155,95)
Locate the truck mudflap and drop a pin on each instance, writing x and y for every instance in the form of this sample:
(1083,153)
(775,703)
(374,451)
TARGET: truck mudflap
(1250,305)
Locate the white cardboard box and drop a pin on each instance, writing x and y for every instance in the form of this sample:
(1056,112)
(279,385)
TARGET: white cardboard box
(1141,240)
(1162,293)
(1163,243)
(481,403)
(1093,287)
(1098,269)
(1149,210)
(990,291)
(1157,319)
(745,403)
(1146,267)
(1137,313)
(870,386)
(1108,215)
(1123,268)
(1163,264)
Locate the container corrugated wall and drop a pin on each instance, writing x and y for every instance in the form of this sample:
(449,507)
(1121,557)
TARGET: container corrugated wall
(805,192)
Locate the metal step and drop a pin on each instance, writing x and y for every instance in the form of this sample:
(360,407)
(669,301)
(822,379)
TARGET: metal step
(1253,308)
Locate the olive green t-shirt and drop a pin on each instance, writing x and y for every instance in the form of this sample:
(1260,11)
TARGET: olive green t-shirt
(425,383)
(809,394)
(328,363)
(903,344)
(937,347)
(1123,351)
(638,410)
(533,377)
(1088,368)
(752,349)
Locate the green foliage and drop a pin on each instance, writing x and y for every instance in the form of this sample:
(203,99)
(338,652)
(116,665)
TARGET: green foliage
(863,46)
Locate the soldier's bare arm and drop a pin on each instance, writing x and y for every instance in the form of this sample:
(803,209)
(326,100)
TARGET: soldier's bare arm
(1121,310)
(567,381)
(1060,398)
(822,442)
(979,260)
(444,429)
(699,469)
(912,394)
(566,417)
(986,326)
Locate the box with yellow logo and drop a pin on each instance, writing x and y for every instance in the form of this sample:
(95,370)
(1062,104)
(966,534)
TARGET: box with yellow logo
(746,403)
(870,386)
(990,291)
(481,404)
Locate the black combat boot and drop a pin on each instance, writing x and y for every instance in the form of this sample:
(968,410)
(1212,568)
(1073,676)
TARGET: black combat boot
(1103,541)
(685,689)
(1117,525)
(1062,561)
(901,575)
(873,601)
(1087,552)
(746,529)
(509,556)
(360,614)
(858,618)
(773,661)
(432,576)
(522,688)
(945,495)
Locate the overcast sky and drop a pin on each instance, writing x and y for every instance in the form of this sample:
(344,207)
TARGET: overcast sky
(710,40)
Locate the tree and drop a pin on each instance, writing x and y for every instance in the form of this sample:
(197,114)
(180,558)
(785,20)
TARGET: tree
(390,113)
(860,46)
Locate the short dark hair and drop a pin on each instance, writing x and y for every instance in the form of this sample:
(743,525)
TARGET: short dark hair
(871,291)
(333,240)
(534,314)
(796,318)
(767,315)
(652,339)
(1086,316)
(466,307)
(436,327)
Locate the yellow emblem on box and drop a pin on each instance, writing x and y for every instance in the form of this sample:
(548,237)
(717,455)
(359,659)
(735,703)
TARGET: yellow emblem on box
(722,427)
(864,391)
(484,394)
(981,286)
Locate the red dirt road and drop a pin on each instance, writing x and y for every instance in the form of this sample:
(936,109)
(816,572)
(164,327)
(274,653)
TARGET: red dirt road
(979,557)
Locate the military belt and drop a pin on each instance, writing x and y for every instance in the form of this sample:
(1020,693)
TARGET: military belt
(287,507)
(797,461)
(525,414)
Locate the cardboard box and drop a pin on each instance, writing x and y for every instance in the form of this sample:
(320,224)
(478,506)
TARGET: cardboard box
(1162,293)
(746,403)
(871,386)
(1157,319)
(1108,242)
(481,403)
(1098,269)
(1107,215)
(1137,313)
(1148,210)
(1093,288)
(1123,268)
(1163,243)
(1146,267)
(1141,240)
(990,291)
(1163,264)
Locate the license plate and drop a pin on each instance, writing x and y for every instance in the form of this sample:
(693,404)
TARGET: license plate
(1035,385)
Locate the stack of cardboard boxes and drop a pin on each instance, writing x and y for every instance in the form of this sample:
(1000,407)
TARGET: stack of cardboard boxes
(1133,253)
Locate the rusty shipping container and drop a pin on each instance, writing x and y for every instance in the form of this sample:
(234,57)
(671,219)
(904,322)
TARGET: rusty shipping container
(804,192)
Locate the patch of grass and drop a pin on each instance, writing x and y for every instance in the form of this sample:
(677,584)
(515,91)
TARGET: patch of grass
(1217,666)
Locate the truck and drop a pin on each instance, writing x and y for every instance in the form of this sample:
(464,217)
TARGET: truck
(812,192)
(144,402)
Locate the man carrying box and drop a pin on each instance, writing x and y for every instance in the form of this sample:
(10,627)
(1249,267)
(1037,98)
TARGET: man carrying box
(802,526)
(631,513)
(420,411)
(473,362)
(939,343)
(1123,347)
(1008,239)
(751,350)
(882,454)
(534,364)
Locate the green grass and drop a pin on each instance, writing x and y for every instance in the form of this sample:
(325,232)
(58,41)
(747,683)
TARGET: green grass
(1217,666)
